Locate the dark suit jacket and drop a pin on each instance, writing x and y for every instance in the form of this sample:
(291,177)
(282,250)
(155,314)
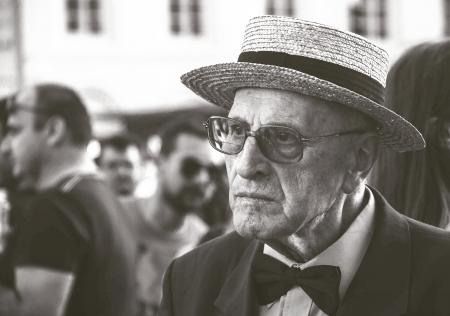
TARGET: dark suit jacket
(406,271)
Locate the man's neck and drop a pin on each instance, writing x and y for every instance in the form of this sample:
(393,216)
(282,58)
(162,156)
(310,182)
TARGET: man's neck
(321,232)
(60,166)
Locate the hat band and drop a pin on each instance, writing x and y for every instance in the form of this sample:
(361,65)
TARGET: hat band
(339,75)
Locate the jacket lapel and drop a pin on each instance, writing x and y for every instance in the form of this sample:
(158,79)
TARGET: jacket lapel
(237,298)
(380,286)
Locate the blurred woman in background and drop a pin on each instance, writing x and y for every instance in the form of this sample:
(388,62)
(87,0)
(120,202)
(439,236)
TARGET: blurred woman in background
(418,88)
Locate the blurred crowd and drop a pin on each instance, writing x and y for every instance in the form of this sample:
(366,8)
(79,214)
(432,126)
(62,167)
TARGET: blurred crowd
(102,249)
(80,224)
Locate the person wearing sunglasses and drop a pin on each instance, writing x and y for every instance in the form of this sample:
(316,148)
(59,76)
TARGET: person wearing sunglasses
(305,123)
(171,225)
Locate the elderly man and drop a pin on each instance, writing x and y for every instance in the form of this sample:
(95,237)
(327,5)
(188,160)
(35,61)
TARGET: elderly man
(305,123)
(71,256)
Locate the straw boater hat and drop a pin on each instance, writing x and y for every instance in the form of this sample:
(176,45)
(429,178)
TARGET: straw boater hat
(311,59)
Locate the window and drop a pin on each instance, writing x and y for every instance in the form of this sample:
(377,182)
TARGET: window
(94,16)
(83,16)
(358,18)
(447,17)
(185,17)
(369,18)
(280,7)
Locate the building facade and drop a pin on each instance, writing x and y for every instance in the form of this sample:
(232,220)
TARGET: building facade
(127,56)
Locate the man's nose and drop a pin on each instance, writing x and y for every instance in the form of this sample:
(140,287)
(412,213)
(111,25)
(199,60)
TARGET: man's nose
(250,162)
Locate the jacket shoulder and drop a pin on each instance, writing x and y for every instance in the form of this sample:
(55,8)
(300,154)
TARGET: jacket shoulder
(430,248)
(430,259)
(226,249)
(211,262)
(192,282)
(433,238)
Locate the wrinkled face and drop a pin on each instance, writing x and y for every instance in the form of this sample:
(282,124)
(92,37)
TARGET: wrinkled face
(121,168)
(184,173)
(24,145)
(271,200)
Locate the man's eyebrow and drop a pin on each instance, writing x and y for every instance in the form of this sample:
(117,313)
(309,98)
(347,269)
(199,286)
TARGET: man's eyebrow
(275,123)
(284,124)
(236,117)
(240,119)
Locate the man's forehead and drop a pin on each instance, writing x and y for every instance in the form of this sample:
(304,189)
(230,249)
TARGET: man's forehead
(279,106)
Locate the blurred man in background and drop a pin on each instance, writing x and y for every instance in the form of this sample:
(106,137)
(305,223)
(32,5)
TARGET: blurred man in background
(71,256)
(6,184)
(13,201)
(5,176)
(121,161)
(171,225)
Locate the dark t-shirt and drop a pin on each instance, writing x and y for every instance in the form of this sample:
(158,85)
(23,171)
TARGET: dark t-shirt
(18,202)
(78,227)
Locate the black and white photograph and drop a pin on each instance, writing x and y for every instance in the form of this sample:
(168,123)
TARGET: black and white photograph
(224,158)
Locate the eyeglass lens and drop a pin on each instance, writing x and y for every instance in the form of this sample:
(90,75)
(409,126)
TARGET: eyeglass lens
(277,143)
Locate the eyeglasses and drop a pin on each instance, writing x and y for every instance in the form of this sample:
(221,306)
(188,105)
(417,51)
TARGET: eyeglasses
(280,144)
(191,167)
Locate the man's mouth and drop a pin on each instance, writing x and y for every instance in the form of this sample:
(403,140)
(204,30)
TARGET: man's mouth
(254,195)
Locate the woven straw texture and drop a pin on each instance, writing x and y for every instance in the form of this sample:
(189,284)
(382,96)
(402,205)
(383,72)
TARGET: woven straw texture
(218,83)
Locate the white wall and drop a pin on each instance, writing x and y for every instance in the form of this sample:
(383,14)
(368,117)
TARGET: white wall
(412,22)
(136,63)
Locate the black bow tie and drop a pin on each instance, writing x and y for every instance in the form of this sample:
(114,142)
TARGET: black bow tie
(274,279)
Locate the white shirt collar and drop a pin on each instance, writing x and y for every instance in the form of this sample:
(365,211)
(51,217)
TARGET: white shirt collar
(347,252)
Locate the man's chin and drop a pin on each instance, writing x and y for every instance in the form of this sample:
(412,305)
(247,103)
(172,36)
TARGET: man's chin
(254,226)
(255,233)
(252,229)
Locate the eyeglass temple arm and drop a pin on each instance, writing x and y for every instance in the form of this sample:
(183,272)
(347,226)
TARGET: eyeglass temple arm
(317,138)
(354,131)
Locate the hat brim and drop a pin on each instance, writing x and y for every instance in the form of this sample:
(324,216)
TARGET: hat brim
(218,84)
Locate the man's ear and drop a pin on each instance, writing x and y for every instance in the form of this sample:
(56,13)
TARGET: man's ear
(56,129)
(363,156)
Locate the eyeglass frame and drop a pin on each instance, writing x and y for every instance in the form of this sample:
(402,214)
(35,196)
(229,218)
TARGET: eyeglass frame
(302,139)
